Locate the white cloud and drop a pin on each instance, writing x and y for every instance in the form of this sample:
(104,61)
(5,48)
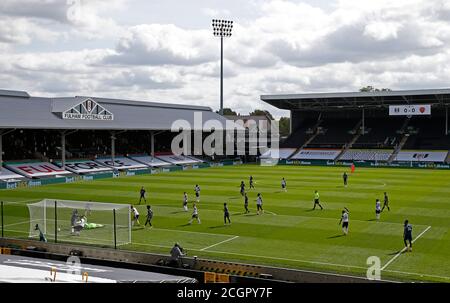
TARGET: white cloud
(285,47)
(158,44)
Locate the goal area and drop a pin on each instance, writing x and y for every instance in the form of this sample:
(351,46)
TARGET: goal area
(87,222)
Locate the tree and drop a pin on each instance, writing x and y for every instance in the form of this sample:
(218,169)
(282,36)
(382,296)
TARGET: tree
(228,112)
(284,126)
(370,88)
(259,112)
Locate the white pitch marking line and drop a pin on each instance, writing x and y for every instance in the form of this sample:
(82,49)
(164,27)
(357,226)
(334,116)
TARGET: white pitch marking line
(18,223)
(403,250)
(20,202)
(295,260)
(227,240)
(269,212)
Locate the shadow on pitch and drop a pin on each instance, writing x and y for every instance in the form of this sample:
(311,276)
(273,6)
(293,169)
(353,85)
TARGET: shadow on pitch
(334,237)
(184,225)
(219,226)
(396,252)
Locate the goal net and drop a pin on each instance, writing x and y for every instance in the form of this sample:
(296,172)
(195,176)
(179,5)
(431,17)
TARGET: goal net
(81,221)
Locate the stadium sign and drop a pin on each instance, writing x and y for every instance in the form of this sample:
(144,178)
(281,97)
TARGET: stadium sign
(409,110)
(88,110)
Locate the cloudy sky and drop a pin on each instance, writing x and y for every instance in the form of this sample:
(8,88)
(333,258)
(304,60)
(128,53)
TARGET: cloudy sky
(164,50)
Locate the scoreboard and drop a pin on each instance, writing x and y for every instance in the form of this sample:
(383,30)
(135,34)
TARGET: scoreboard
(410,110)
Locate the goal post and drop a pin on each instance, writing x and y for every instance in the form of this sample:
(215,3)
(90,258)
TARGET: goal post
(86,222)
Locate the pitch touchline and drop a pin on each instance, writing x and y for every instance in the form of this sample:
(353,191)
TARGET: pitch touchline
(224,241)
(403,250)
(293,260)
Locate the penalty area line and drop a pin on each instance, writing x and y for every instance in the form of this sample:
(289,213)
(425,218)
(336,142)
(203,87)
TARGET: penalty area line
(221,242)
(404,249)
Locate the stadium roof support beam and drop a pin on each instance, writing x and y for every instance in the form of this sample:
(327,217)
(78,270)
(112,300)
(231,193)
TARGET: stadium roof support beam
(153,134)
(446,120)
(64,134)
(363,128)
(152,143)
(113,145)
(2,133)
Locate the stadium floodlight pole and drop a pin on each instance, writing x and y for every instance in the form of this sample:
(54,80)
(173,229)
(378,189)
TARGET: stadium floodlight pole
(221,28)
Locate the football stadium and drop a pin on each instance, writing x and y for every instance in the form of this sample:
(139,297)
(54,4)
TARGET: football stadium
(357,192)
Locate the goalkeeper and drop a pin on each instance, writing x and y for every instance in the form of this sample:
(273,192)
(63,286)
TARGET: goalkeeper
(83,224)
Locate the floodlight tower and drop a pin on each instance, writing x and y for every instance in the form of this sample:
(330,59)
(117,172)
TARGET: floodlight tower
(221,28)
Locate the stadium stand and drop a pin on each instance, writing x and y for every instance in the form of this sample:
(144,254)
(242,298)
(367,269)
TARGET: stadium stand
(362,121)
(8,176)
(177,160)
(37,169)
(299,136)
(283,153)
(367,155)
(422,156)
(120,163)
(380,133)
(427,133)
(149,160)
(82,167)
(316,154)
(334,133)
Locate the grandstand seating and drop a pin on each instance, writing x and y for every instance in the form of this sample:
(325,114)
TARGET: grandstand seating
(177,160)
(301,134)
(316,154)
(283,153)
(427,133)
(335,133)
(121,163)
(422,156)
(380,133)
(37,169)
(149,160)
(6,175)
(366,155)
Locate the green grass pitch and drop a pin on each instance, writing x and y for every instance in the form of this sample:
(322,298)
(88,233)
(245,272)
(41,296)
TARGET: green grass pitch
(289,233)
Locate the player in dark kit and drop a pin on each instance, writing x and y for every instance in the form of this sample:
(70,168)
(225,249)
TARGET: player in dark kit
(149,216)
(142,192)
(197,192)
(407,235)
(283,185)
(345,177)
(242,188)
(246,203)
(226,214)
(251,182)
(386,202)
